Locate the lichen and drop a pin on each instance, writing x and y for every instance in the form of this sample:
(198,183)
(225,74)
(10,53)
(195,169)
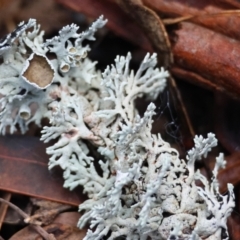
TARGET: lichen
(139,188)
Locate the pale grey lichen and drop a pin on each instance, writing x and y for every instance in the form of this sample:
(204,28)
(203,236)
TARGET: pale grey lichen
(139,188)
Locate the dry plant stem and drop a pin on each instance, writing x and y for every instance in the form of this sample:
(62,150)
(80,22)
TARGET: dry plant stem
(38,228)
(185,18)
(170,21)
(3,207)
(193,77)
(182,106)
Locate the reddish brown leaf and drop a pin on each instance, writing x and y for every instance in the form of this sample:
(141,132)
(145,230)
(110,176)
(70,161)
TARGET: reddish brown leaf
(217,54)
(24,170)
(213,56)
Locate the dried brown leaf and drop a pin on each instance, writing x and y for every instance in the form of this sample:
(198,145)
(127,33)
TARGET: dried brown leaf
(23,170)
(209,54)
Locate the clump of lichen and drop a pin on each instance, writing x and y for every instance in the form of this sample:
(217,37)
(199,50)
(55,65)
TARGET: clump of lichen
(143,190)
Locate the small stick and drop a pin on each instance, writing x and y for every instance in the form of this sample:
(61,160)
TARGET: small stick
(3,208)
(38,228)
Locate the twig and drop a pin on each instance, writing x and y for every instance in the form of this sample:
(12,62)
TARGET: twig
(38,228)
(3,208)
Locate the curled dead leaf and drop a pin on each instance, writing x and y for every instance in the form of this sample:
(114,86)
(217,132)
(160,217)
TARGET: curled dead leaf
(197,49)
(152,26)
